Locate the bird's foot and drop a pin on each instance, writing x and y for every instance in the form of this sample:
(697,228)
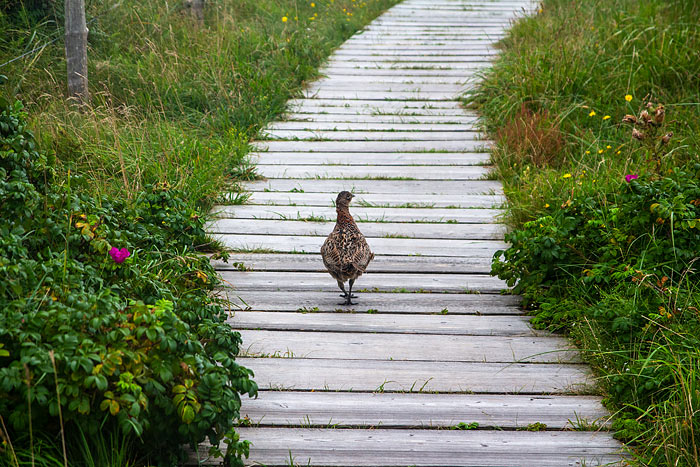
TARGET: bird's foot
(347,302)
(345,295)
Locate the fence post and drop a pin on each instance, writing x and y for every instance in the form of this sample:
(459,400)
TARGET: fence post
(76,49)
(198,9)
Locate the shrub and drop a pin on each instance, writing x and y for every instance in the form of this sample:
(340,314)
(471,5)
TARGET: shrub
(136,343)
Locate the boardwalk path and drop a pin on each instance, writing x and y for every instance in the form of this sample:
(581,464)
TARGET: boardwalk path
(431,344)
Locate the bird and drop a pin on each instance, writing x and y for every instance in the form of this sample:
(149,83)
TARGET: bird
(345,252)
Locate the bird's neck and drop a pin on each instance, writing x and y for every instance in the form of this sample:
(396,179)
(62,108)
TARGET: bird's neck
(344,216)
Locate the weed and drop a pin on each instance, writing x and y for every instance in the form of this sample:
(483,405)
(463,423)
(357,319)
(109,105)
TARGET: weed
(465,426)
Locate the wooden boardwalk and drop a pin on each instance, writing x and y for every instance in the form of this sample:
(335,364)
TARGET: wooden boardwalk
(434,366)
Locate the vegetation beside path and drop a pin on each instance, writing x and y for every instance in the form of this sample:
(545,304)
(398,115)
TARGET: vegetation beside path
(596,110)
(113,351)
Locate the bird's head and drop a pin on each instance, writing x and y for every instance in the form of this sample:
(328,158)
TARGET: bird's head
(343,199)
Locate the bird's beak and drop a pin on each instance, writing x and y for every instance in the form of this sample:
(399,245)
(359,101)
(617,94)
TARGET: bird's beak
(351,196)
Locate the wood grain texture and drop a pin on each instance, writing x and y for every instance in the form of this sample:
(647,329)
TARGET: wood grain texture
(381,246)
(374,282)
(414,376)
(407,215)
(418,304)
(405,410)
(406,347)
(371,230)
(413,187)
(447,324)
(380,200)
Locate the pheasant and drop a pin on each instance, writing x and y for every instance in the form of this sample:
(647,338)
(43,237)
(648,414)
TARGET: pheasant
(345,252)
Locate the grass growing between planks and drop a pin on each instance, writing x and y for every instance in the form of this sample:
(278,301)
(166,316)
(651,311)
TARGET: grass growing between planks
(172,100)
(596,110)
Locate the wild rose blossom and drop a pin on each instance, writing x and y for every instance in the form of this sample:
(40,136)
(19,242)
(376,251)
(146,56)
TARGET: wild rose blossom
(629,178)
(119,255)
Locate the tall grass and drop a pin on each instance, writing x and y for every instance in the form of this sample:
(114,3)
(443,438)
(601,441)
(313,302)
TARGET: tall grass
(173,100)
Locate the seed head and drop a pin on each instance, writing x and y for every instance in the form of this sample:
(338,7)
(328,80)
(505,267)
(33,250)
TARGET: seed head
(636,134)
(629,119)
(667,137)
(645,117)
(659,114)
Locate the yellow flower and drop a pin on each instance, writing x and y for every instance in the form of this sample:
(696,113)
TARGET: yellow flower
(313,5)
(284,19)
(606,117)
(592,114)
(567,176)
(588,152)
(600,151)
(618,152)
(628,97)
(608,147)
(546,205)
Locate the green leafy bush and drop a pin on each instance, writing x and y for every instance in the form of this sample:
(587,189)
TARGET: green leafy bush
(137,345)
(651,225)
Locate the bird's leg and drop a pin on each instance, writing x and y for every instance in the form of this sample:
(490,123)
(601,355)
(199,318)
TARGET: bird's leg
(342,287)
(345,293)
(350,295)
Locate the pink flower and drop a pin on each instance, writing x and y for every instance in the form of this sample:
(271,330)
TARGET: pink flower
(119,255)
(629,178)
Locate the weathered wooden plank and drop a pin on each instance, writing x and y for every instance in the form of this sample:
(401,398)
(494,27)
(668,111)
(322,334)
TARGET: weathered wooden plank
(361,214)
(463,73)
(363,158)
(370,230)
(380,263)
(370,126)
(403,105)
(406,347)
(387,51)
(374,282)
(413,59)
(475,187)
(427,448)
(416,304)
(372,146)
(369,118)
(339,83)
(384,199)
(400,66)
(397,410)
(378,172)
(294,135)
(405,376)
(381,82)
(379,95)
(442,325)
(310,108)
(380,246)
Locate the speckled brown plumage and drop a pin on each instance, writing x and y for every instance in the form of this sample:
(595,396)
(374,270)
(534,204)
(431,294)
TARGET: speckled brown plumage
(345,252)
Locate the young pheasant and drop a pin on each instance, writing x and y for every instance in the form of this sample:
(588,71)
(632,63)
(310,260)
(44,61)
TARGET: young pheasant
(345,252)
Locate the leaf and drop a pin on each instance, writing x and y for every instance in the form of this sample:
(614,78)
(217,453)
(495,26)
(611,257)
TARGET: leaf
(188,414)
(113,407)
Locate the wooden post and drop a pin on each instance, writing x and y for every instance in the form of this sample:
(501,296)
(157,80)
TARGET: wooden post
(76,49)
(198,9)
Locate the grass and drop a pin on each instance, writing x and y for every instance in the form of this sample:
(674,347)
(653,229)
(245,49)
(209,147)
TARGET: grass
(172,101)
(554,102)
